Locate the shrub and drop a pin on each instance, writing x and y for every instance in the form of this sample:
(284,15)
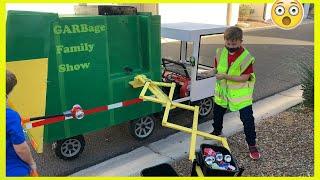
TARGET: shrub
(307,81)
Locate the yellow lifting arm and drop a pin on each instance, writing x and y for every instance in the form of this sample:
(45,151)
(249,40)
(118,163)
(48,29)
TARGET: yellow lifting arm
(160,97)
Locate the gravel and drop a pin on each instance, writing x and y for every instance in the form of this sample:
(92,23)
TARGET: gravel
(284,140)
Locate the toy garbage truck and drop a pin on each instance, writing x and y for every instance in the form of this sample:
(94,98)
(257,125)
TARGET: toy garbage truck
(74,71)
(63,62)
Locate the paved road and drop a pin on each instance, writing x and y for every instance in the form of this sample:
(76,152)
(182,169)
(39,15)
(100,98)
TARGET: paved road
(277,53)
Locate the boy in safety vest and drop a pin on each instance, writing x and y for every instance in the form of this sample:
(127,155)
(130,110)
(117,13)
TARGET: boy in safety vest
(234,86)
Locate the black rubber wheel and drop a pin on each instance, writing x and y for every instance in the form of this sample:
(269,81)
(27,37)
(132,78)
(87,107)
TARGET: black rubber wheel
(142,128)
(70,148)
(205,107)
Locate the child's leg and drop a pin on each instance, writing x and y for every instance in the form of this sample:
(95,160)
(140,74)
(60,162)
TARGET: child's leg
(246,116)
(218,113)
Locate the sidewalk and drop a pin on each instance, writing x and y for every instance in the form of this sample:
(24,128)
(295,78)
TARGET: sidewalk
(176,146)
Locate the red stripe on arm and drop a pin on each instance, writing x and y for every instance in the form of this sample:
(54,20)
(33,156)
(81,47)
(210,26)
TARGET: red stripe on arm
(86,112)
(61,118)
(48,121)
(95,110)
(130,102)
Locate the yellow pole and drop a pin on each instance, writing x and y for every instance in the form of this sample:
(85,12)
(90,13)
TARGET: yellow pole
(144,90)
(193,142)
(162,84)
(225,144)
(148,98)
(166,114)
(173,86)
(183,106)
(157,92)
(199,171)
(178,127)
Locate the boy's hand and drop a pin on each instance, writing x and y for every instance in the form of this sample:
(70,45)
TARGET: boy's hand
(34,173)
(220,76)
(33,168)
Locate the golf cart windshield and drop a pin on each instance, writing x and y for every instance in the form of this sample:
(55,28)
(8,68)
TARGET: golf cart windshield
(176,67)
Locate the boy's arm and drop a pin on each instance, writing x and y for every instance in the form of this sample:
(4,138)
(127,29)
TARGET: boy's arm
(242,78)
(213,71)
(14,129)
(215,65)
(23,151)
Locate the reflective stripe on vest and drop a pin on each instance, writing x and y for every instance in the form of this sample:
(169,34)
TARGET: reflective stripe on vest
(246,62)
(231,94)
(248,84)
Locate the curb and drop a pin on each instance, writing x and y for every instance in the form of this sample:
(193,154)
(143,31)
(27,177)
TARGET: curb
(176,146)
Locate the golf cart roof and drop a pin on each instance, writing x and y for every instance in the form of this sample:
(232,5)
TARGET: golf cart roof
(187,31)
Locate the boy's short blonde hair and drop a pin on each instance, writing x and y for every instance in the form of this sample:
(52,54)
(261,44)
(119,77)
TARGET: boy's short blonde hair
(11,81)
(233,33)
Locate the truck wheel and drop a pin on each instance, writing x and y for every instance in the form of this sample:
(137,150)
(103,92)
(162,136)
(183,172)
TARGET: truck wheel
(70,148)
(205,106)
(142,127)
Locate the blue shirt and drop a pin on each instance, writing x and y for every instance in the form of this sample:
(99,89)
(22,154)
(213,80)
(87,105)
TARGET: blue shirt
(14,135)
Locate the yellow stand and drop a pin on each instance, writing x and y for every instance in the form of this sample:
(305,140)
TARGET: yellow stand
(160,97)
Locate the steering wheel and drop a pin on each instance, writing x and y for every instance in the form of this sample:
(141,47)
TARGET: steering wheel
(170,78)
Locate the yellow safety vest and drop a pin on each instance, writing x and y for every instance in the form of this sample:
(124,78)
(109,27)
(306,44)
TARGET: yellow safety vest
(230,94)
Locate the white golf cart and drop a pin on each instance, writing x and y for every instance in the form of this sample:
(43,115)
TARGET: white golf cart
(194,74)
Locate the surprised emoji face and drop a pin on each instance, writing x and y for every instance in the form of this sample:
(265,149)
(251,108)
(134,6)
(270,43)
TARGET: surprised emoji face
(287,14)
